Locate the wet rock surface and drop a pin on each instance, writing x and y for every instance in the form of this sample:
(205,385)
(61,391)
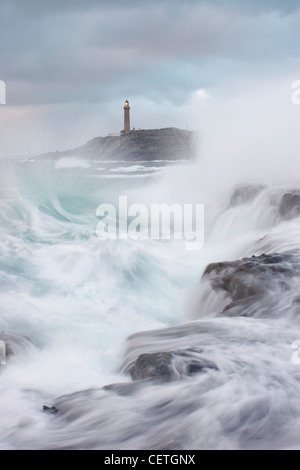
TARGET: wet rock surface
(52,410)
(167,366)
(290,205)
(148,369)
(245,193)
(250,280)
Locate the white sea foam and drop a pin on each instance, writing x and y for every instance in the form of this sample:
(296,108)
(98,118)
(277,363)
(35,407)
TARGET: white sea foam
(76,299)
(71,162)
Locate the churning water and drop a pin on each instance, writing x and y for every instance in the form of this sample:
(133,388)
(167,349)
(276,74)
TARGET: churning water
(69,303)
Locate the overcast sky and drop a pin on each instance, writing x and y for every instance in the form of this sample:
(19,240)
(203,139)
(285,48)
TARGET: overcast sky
(69,65)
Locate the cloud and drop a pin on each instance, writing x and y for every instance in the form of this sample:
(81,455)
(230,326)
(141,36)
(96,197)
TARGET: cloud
(98,53)
(38,8)
(85,54)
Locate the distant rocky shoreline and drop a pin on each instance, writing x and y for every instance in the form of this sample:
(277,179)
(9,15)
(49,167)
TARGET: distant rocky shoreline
(139,145)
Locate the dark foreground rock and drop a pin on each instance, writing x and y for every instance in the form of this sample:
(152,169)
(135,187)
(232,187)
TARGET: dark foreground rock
(290,205)
(286,202)
(245,193)
(148,368)
(250,280)
(152,144)
(52,410)
(167,366)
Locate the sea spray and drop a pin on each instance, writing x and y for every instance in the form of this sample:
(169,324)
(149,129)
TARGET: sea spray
(83,310)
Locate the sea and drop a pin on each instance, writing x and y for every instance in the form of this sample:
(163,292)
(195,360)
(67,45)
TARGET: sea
(76,307)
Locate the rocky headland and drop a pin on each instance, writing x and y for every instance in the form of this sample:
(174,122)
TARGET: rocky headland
(139,145)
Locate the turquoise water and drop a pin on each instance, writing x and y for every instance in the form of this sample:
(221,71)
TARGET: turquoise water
(76,299)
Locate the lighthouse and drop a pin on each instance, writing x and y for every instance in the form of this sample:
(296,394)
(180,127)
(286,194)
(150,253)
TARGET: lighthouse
(126,116)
